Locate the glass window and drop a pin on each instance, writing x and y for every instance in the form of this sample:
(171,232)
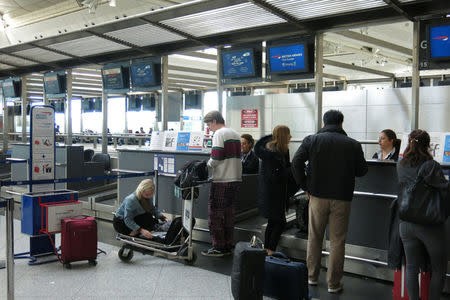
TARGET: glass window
(116,114)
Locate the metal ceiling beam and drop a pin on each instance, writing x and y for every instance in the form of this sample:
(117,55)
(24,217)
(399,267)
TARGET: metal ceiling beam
(199,55)
(374,41)
(335,77)
(174,30)
(280,13)
(189,82)
(28,59)
(61,53)
(191,87)
(190,8)
(196,78)
(192,70)
(10,65)
(396,6)
(117,41)
(364,51)
(357,68)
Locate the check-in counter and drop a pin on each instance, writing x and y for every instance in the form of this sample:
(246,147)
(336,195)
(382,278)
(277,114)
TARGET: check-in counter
(368,232)
(69,164)
(143,160)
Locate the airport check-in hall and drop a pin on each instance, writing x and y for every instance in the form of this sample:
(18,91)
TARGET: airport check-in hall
(225,149)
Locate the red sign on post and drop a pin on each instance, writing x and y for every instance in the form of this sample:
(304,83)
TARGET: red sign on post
(249,118)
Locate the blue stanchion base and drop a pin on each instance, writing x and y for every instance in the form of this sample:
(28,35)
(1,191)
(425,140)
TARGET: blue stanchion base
(33,260)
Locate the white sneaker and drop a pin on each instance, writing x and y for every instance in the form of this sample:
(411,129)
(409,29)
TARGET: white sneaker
(312,282)
(337,289)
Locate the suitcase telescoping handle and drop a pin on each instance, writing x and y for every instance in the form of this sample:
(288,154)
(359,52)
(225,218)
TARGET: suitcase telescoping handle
(281,256)
(256,242)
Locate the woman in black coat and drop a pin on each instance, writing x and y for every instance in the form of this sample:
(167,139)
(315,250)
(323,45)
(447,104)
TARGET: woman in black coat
(273,183)
(418,163)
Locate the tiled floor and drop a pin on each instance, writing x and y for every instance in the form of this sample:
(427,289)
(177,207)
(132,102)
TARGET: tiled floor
(146,277)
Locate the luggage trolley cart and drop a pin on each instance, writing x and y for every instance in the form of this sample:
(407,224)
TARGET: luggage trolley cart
(181,248)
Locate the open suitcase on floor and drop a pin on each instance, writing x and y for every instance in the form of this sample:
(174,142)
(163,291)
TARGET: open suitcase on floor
(79,240)
(399,292)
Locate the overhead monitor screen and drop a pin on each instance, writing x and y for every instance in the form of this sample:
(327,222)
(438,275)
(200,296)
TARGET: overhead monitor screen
(9,89)
(148,102)
(113,78)
(51,84)
(440,42)
(143,75)
(287,59)
(238,63)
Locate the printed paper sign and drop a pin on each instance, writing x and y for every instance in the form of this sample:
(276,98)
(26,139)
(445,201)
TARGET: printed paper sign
(170,140)
(164,163)
(446,146)
(157,140)
(195,141)
(436,146)
(183,141)
(249,118)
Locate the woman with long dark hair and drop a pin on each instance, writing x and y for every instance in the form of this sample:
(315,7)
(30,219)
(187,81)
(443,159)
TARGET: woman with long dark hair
(389,146)
(273,183)
(418,161)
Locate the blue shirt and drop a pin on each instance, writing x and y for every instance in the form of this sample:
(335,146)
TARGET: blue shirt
(130,208)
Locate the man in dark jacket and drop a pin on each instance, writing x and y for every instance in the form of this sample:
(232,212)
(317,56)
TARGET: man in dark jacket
(329,179)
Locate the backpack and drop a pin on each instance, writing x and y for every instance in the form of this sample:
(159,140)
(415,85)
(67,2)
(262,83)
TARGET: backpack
(191,173)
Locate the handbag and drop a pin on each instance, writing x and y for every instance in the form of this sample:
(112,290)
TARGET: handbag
(423,204)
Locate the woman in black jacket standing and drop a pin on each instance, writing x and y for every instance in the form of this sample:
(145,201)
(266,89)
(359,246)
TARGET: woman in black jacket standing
(273,183)
(418,161)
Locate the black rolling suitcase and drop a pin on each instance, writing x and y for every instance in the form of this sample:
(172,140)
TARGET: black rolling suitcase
(247,274)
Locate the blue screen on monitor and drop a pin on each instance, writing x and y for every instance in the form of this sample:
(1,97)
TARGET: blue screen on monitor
(238,64)
(9,89)
(51,84)
(142,75)
(440,42)
(288,58)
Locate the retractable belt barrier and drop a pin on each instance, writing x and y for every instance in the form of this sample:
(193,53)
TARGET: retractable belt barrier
(77,179)
(13,161)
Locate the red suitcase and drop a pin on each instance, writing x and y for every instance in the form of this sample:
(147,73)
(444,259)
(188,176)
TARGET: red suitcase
(399,290)
(79,240)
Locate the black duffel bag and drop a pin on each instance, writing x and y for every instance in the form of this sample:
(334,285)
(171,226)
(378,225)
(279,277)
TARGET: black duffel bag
(189,175)
(192,172)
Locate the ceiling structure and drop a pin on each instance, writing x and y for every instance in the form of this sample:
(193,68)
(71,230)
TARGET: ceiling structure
(364,39)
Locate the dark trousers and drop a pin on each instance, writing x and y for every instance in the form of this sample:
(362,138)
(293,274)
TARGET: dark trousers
(222,196)
(274,229)
(146,221)
(414,238)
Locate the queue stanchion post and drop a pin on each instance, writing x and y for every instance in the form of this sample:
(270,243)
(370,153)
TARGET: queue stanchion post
(2,262)
(10,247)
(8,203)
(155,181)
